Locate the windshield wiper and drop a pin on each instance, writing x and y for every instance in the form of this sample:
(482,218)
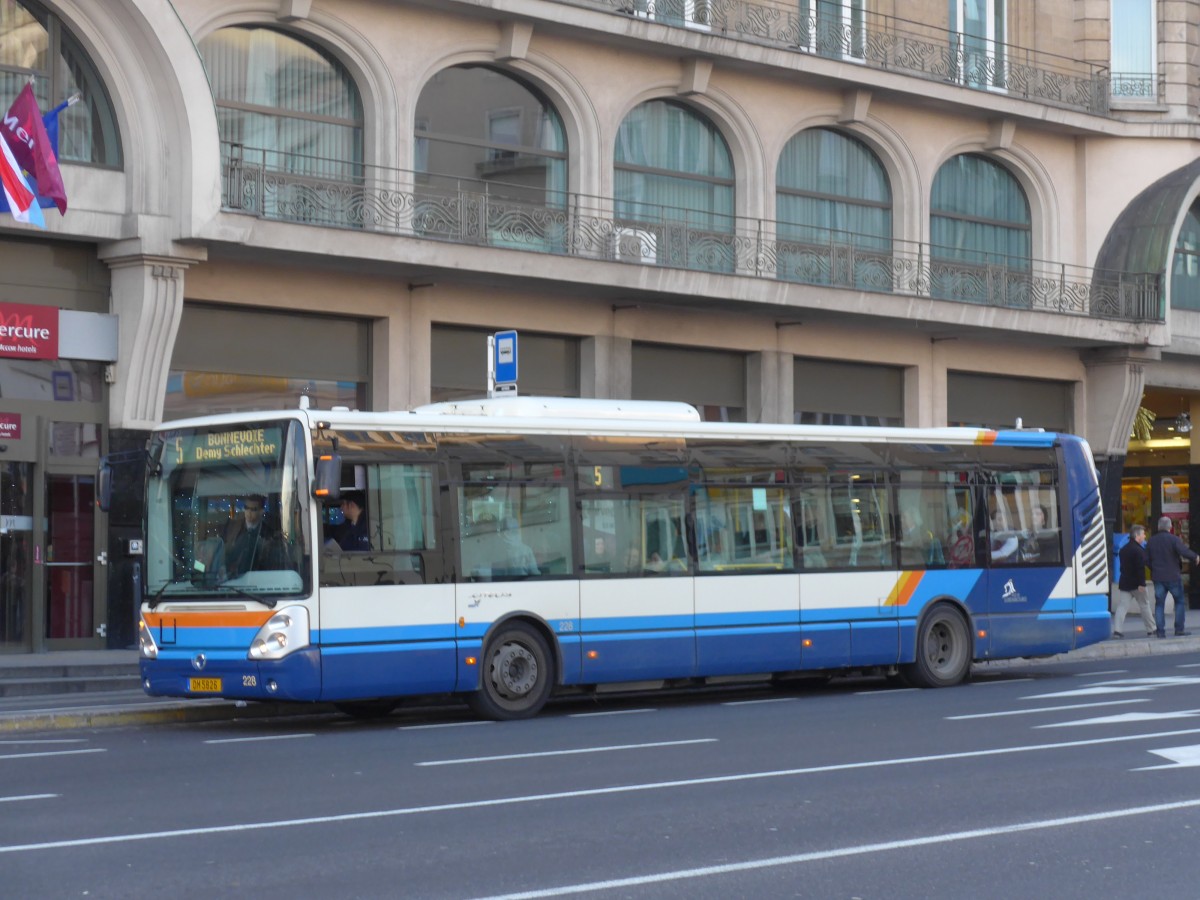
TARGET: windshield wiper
(265,601)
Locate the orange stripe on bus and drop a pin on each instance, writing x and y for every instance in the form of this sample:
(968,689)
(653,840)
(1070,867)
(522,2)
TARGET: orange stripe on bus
(985,438)
(206,619)
(905,587)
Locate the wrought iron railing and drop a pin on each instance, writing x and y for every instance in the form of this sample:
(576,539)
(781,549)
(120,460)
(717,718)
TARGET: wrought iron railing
(884,42)
(336,194)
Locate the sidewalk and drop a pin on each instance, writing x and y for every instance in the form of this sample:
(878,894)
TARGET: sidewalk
(93,688)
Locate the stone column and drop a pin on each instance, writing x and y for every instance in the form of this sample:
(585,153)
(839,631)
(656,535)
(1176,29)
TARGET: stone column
(1114,383)
(147,298)
(769,387)
(606,367)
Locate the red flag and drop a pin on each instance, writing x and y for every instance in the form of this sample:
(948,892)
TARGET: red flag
(26,135)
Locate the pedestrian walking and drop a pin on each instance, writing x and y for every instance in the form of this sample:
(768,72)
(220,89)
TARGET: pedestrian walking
(1131,587)
(1165,553)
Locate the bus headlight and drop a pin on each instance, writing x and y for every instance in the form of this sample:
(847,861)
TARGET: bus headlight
(147,649)
(285,632)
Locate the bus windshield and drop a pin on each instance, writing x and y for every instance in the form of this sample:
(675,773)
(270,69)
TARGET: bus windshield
(228,513)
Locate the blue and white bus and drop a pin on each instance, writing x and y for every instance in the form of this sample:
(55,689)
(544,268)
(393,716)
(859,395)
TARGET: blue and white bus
(508,549)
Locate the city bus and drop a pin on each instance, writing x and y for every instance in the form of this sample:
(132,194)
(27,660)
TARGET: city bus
(509,549)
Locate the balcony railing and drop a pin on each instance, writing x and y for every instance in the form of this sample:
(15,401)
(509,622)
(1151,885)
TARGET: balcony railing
(337,194)
(884,42)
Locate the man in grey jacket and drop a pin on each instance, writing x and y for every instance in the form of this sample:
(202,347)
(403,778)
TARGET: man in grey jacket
(1164,553)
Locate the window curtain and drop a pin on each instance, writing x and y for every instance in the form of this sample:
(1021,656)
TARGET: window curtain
(1133,40)
(979,214)
(293,89)
(672,165)
(831,187)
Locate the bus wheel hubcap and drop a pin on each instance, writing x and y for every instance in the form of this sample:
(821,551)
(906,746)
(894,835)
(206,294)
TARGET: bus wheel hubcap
(514,670)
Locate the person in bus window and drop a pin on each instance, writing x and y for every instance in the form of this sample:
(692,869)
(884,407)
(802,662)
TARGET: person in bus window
(1004,542)
(1031,546)
(251,542)
(353,536)
(517,556)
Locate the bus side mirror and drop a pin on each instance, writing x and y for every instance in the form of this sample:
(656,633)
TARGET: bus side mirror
(327,481)
(104,485)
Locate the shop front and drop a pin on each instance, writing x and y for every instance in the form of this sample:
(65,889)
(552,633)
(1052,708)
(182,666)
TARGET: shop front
(53,577)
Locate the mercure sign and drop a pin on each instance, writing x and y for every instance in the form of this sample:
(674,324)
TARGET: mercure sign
(28,332)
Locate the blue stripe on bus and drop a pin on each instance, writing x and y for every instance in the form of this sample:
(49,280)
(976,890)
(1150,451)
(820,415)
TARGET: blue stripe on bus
(215,638)
(1025,438)
(610,624)
(1089,604)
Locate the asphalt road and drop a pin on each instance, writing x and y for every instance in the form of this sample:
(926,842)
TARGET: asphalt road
(1071,780)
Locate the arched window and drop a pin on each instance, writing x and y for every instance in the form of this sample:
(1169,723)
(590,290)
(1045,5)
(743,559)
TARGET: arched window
(1185,268)
(284,105)
(980,233)
(34,42)
(485,132)
(833,203)
(673,179)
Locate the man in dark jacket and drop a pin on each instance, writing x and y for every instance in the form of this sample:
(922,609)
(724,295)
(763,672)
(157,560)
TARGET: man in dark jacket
(1132,585)
(1164,552)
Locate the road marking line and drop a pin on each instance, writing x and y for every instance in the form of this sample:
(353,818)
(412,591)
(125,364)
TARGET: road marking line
(266,737)
(1097,674)
(475,805)
(52,753)
(885,691)
(479,759)
(441,725)
(1124,718)
(610,712)
(29,797)
(1181,757)
(997,679)
(1041,709)
(853,850)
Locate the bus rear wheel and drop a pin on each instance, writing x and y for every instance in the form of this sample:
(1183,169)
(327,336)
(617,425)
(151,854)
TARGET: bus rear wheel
(943,649)
(517,675)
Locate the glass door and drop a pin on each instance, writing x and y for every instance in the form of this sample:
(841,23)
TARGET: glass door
(16,553)
(74,575)
(979,31)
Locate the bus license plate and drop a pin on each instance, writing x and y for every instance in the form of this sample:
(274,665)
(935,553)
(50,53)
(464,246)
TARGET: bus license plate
(205,685)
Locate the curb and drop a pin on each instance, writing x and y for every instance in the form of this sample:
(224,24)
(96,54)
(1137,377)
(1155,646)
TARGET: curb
(175,714)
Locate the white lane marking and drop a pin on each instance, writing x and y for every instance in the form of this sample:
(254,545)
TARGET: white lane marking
(1188,666)
(611,712)
(442,725)
(1098,674)
(574,752)
(52,753)
(29,797)
(46,741)
(853,850)
(885,691)
(1123,686)
(1126,717)
(996,680)
(1042,709)
(265,737)
(765,700)
(1181,757)
(575,795)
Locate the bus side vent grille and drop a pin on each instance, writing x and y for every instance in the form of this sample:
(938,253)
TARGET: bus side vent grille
(1092,552)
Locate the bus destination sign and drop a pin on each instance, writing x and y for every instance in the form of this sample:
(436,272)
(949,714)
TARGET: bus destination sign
(242,445)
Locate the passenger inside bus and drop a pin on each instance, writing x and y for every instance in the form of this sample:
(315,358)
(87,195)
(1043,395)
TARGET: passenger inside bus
(252,541)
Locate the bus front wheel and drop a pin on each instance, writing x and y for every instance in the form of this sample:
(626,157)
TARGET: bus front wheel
(943,649)
(517,675)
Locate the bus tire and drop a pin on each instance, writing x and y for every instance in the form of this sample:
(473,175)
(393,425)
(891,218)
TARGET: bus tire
(943,649)
(517,675)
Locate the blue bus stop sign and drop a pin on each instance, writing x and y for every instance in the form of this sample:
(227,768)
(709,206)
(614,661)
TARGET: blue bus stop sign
(506,357)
